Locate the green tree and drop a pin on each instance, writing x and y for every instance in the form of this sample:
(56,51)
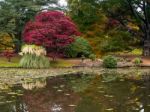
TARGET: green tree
(133,16)
(84,12)
(132,11)
(15,13)
(78,48)
(95,21)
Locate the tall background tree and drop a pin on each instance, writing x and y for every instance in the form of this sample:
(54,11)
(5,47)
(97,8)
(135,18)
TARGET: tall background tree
(127,16)
(84,12)
(135,12)
(104,32)
(15,13)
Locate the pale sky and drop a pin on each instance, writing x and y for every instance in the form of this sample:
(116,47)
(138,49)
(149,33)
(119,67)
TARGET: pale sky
(63,2)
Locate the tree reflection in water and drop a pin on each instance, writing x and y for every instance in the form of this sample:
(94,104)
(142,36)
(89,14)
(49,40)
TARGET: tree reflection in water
(34,84)
(51,99)
(78,93)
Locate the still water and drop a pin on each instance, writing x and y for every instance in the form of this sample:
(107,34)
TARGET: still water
(76,93)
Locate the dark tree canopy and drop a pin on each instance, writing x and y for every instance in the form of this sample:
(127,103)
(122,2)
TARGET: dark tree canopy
(132,11)
(15,13)
(132,15)
(84,12)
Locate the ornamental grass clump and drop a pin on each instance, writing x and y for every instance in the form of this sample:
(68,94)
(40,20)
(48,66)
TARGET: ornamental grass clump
(34,57)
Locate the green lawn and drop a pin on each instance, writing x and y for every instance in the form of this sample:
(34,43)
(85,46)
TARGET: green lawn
(61,63)
(15,62)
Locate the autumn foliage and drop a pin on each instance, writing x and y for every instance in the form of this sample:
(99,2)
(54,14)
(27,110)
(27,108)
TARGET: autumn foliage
(8,55)
(112,23)
(50,29)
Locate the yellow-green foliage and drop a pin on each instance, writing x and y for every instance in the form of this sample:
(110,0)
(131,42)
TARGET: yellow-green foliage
(129,52)
(137,52)
(6,42)
(137,61)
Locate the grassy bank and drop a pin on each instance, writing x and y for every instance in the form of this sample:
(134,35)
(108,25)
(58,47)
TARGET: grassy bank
(15,63)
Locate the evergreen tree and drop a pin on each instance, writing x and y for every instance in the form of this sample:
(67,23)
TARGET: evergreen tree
(15,13)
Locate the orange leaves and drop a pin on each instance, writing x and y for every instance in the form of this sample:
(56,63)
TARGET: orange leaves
(133,26)
(6,42)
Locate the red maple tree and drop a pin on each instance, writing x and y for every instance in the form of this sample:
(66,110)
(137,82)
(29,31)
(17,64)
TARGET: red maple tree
(8,55)
(50,29)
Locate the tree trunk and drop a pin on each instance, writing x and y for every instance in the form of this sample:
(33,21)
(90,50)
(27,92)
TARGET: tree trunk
(17,47)
(18,42)
(146,48)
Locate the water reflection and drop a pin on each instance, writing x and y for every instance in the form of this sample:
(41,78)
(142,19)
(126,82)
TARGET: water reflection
(78,93)
(30,84)
(50,99)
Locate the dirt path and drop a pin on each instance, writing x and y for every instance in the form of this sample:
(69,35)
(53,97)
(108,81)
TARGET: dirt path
(146,60)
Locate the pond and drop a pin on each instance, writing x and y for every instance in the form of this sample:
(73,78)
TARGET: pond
(76,93)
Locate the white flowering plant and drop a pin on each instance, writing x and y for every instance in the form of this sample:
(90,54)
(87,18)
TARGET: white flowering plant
(33,49)
(34,57)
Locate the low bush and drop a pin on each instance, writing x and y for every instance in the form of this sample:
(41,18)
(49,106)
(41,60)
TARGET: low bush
(137,52)
(110,62)
(92,57)
(137,61)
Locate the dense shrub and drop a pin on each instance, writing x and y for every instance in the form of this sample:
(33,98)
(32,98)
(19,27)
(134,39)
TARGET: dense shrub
(78,48)
(34,57)
(92,57)
(110,62)
(116,41)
